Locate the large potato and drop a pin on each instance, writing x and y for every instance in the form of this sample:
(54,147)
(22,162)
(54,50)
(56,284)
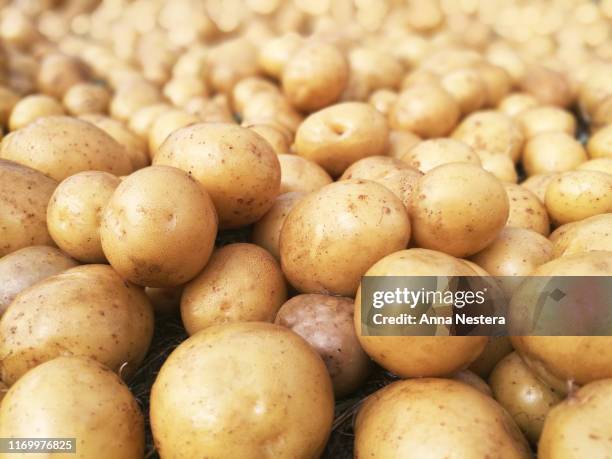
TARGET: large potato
(236,166)
(341,134)
(60,146)
(541,119)
(88,310)
(75,397)
(24,195)
(326,322)
(301,174)
(23,268)
(431,417)
(240,283)
(526,210)
(587,235)
(159,227)
(417,356)
(552,152)
(243,390)
(333,235)
(459,224)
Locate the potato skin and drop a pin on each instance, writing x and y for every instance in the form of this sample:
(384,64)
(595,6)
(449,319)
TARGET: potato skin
(429,417)
(496,349)
(291,411)
(326,242)
(326,322)
(88,310)
(240,283)
(158,207)
(434,152)
(236,166)
(24,195)
(25,267)
(587,235)
(32,107)
(552,152)
(91,395)
(337,136)
(60,146)
(301,174)
(526,210)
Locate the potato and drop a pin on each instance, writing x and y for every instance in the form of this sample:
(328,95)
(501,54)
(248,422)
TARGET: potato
(426,110)
(472,379)
(434,152)
(241,283)
(195,409)
(498,164)
(213,110)
(268,107)
(459,224)
(592,233)
(315,76)
(165,301)
(379,69)
(237,167)
(131,96)
(58,73)
(274,55)
(32,107)
(401,142)
(142,121)
(8,100)
(25,267)
(74,212)
(229,62)
(466,86)
(277,136)
(374,168)
(92,394)
(84,98)
(24,195)
(165,124)
(547,86)
(60,146)
(538,120)
(418,356)
(427,418)
(158,207)
(492,131)
(383,100)
(327,242)
(526,210)
(341,134)
(598,165)
(516,103)
(497,83)
(248,87)
(266,232)
(552,152)
(88,311)
(577,195)
(301,174)
(600,143)
(526,398)
(579,426)
(180,89)
(326,322)
(496,349)
(538,183)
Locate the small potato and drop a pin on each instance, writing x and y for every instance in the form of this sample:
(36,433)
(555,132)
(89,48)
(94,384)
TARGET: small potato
(30,108)
(165,124)
(270,107)
(275,54)
(426,110)
(577,195)
(202,389)
(74,212)
(516,103)
(526,398)
(165,301)
(578,426)
(277,136)
(467,87)
(131,96)
(497,83)
(373,168)
(547,86)
(538,120)
(526,210)
(472,379)
(25,267)
(400,142)
(538,183)
(326,322)
(552,152)
(337,136)
(142,121)
(301,174)
(61,146)
(379,69)
(179,90)
(434,152)
(498,164)
(586,235)
(420,418)
(246,88)
(598,165)
(229,62)
(58,73)
(459,224)
(88,311)
(8,100)
(213,110)
(84,98)
(91,395)
(383,100)
(157,207)
(315,76)
(236,166)
(321,234)
(266,232)
(24,195)
(240,283)
(492,131)
(496,349)
(600,143)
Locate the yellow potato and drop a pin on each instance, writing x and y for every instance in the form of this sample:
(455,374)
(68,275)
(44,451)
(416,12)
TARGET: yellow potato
(229,62)
(600,143)
(333,235)
(526,210)
(428,417)
(92,394)
(158,207)
(74,212)
(277,136)
(516,103)
(32,107)
(498,164)
(267,107)
(180,89)
(592,233)
(400,142)
(576,195)
(496,81)
(24,195)
(247,88)
(275,54)
(236,166)
(58,73)
(8,100)
(374,168)
(467,87)
(341,134)
(88,311)
(165,124)
(131,96)
(598,165)
(434,152)
(538,183)
(496,349)
(84,98)
(196,408)
(213,110)
(538,120)
(547,86)
(472,379)
(301,174)
(379,69)
(142,121)
(552,152)
(383,100)
(165,301)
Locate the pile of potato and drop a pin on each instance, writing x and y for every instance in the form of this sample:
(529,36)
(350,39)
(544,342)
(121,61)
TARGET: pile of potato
(347,138)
